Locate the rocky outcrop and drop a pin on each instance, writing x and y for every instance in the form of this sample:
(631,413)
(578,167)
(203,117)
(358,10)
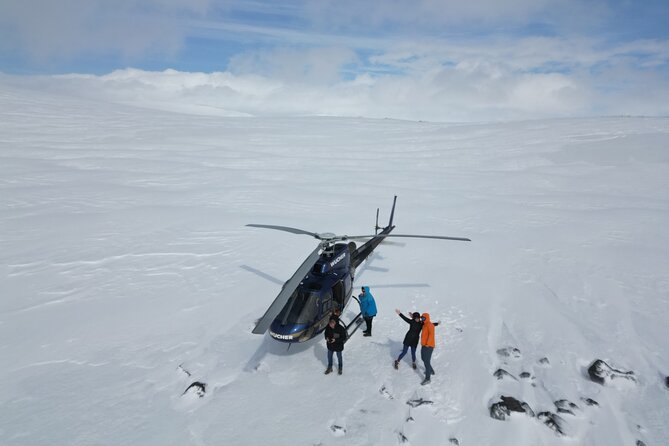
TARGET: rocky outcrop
(589,401)
(509,352)
(197,388)
(418,402)
(602,373)
(501,374)
(508,404)
(566,406)
(553,421)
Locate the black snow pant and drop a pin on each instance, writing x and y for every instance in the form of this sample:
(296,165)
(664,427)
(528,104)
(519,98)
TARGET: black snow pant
(368,321)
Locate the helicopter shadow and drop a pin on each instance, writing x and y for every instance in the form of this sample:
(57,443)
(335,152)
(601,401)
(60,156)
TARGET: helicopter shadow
(272,347)
(262,274)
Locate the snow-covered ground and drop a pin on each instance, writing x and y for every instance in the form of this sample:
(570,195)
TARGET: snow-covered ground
(126,274)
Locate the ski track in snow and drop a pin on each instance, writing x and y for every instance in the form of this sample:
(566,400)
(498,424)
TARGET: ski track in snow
(127,274)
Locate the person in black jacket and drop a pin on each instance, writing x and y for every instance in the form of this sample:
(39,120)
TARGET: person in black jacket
(335,336)
(411,338)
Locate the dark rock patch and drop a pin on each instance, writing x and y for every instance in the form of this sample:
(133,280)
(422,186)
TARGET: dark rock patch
(544,361)
(589,401)
(196,388)
(384,391)
(566,406)
(602,373)
(501,373)
(337,429)
(418,402)
(509,352)
(402,437)
(454,441)
(525,375)
(410,419)
(666,381)
(503,409)
(553,421)
(180,367)
(640,443)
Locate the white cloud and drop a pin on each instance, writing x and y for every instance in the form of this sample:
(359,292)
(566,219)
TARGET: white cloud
(311,65)
(413,16)
(47,30)
(478,85)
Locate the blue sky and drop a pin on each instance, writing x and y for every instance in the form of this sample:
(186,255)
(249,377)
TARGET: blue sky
(608,51)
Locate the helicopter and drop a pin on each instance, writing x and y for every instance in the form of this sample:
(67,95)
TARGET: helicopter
(323,283)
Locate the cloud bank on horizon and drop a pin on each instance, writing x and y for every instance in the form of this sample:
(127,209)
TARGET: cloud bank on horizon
(420,59)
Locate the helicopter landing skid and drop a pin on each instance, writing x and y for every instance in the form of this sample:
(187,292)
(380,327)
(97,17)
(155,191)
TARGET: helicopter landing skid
(355,324)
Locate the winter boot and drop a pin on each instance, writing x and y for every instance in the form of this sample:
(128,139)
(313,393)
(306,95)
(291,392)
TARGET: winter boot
(328,370)
(425,381)
(397,364)
(414,366)
(340,371)
(366,333)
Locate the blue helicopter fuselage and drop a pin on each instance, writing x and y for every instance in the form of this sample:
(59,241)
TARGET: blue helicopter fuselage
(327,286)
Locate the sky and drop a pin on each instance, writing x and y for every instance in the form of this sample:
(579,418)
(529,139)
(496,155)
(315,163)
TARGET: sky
(425,59)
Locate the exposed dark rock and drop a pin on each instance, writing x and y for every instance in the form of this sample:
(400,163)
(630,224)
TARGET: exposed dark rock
(589,401)
(501,373)
(509,352)
(384,391)
(338,429)
(454,441)
(197,388)
(502,409)
(402,437)
(552,421)
(666,381)
(566,406)
(602,373)
(418,402)
(544,361)
(640,443)
(525,375)
(409,419)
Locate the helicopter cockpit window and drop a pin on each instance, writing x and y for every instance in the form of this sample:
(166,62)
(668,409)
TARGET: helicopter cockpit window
(318,268)
(302,308)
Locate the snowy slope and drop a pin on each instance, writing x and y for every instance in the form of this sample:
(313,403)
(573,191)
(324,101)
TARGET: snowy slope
(126,274)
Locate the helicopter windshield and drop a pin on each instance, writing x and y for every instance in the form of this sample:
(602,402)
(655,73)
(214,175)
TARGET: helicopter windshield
(302,308)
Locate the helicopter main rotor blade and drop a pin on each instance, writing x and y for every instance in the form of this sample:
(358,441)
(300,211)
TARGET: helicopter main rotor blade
(439,237)
(281,300)
(286,229)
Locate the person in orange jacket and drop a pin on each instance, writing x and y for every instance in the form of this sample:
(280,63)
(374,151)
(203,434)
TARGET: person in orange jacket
(427,345)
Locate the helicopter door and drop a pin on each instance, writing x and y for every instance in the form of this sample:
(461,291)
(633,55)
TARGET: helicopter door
(326,306)
(338,294)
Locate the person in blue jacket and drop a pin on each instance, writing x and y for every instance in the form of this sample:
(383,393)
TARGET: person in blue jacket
(367,308)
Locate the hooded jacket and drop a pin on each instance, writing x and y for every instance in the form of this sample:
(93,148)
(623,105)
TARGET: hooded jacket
(367,303)
(412,336)
(427,336)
